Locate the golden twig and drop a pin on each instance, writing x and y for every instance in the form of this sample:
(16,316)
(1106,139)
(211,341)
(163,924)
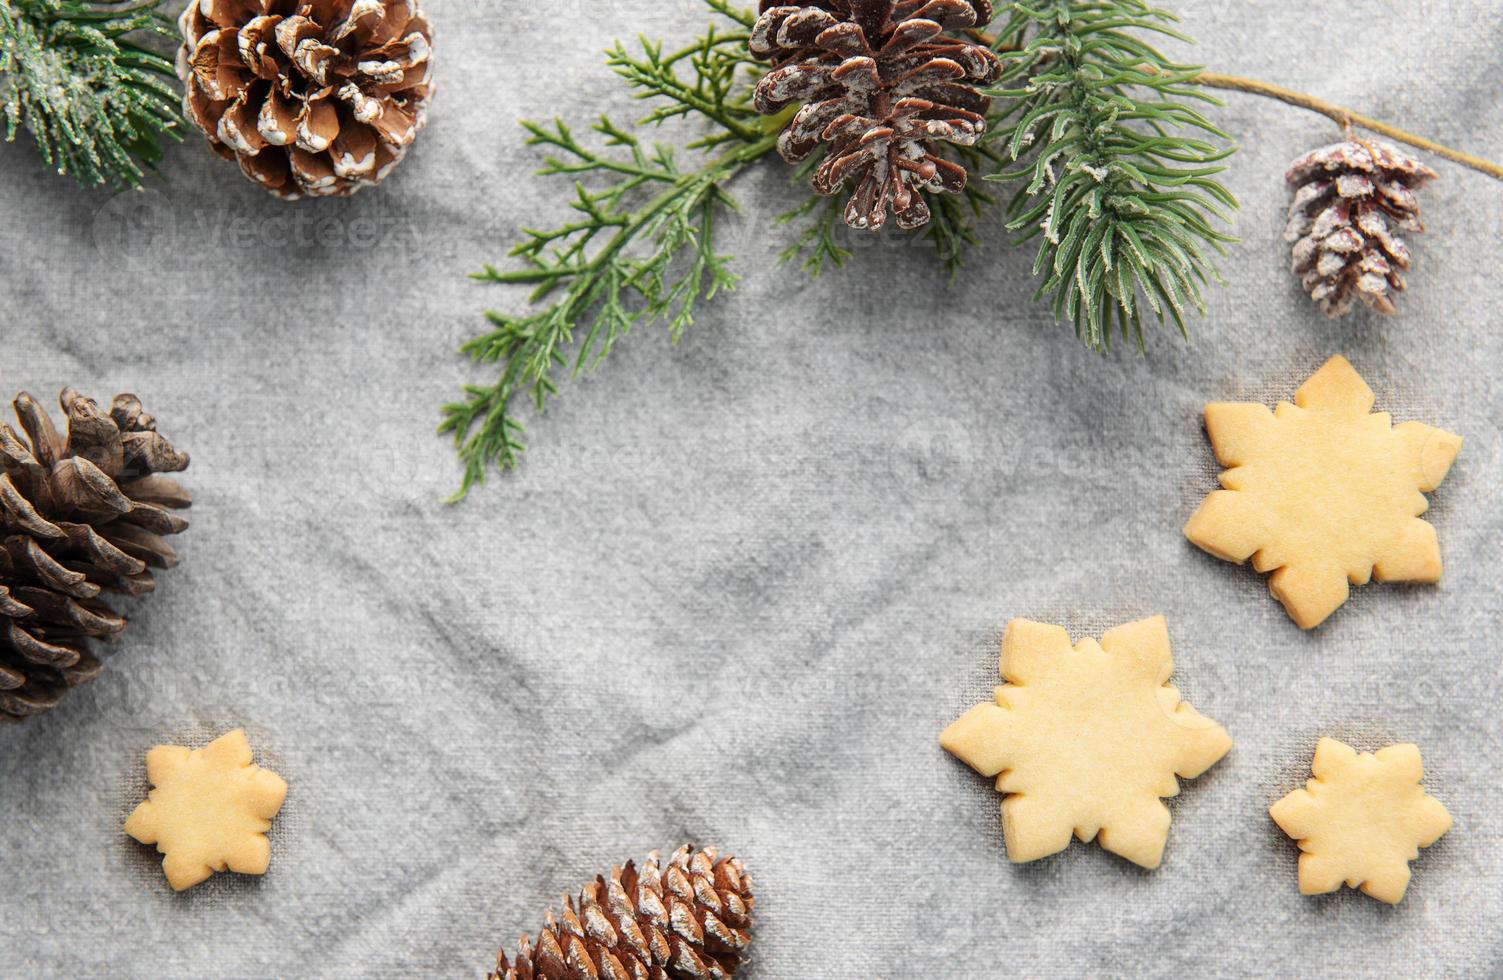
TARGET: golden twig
(1344,117)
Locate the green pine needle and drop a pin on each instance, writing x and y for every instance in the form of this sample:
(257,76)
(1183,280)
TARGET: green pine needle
(1117,170)
(77,77)
(640,247)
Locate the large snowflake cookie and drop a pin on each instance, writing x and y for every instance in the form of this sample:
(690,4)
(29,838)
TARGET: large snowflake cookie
(1322,493)
(1085,739)
(210,810)
(1361,820)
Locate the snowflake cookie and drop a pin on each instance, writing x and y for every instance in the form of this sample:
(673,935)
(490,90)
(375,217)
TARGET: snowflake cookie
(1322,493)
(1085,740)
(1361,820)
(210,810)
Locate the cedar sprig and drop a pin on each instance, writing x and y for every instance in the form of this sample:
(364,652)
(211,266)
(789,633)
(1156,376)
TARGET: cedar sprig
(713,87)
(1118,170)
(821,237)
(81,78)
(640,247)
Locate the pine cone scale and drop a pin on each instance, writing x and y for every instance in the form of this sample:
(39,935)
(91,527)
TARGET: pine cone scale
(36,651)
(26,556)
(19,512)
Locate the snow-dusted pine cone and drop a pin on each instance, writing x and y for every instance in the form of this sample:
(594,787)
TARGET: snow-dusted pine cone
(882,81)
(1350,200)
(688,921)
(311,97)
(84,512)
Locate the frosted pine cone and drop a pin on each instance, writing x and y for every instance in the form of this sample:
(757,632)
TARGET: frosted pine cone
(1350,199)
(688,921)
(84,512)
(311,97)
(882,83)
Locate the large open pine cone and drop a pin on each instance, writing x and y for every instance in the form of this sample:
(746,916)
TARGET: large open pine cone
(882,82)
(1350,197)
(313,97)
(690,921)
(83,513)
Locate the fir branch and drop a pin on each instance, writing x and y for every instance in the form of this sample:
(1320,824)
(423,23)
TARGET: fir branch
(79,78)
(1120,190)
(640,248)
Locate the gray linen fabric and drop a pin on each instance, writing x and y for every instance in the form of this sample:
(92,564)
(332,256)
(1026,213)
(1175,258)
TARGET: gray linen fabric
(739,585)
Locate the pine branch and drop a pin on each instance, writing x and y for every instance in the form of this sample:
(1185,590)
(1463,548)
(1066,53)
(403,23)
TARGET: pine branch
(640,249)
(1119,168)
(79,78)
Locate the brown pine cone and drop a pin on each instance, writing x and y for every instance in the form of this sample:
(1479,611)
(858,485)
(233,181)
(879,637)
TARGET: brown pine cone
(690,921)
(1350,198)
(315,97)
(881,82)
(83,513)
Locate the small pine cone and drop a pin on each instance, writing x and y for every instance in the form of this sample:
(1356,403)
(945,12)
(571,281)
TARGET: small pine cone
(882,82)
(690,921)
(83,513)
(1350,198)
(311,97)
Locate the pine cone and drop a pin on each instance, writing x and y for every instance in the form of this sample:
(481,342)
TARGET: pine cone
(882,81)
(313,97)
(1350,198)
(689,922)
(82,514)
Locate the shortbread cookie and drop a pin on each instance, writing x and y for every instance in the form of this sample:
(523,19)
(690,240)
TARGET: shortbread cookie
(1361,820)
(1321,493)
(1085,739)
(210,810)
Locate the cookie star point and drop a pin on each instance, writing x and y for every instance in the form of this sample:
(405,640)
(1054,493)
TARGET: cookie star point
(1084,739)
(209,809)
(1361,819)
(1322,493)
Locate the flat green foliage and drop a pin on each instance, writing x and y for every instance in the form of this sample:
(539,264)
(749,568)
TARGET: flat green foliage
(640,244)
(79,77)
(1117,170)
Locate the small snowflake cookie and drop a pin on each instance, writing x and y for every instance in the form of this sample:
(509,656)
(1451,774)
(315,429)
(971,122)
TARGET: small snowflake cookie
(210,810)
(1084,739)
(1322,493)
(1361,820)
